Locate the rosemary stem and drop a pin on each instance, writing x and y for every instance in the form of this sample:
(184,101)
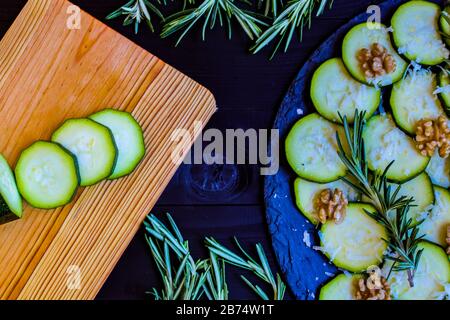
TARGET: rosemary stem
(410,277)
(391,210)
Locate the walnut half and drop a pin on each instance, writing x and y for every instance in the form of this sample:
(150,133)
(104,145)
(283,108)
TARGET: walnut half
(432,135)
(376,61)
(367,289)
(331,205)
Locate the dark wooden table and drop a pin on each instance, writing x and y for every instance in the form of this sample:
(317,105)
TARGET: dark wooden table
(248,89)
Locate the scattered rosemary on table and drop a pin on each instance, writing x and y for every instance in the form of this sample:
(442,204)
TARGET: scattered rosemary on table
(295,16)
(212,11)
(262,20)
(261,270)
(183,278)
(186,279)
(137,11)
(391,210)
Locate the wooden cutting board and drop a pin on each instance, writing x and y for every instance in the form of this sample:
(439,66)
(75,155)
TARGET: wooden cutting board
(51,71)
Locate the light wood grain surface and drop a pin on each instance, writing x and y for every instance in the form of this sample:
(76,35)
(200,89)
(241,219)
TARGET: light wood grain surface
(49,73)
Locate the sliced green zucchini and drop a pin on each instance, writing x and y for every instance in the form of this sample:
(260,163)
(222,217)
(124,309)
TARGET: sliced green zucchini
(445,26)
(430,279)
(363,37)
(47,175)
(434,227)
(128,137)
(416,32)
(385,143)
(414,99)
(334,92)
(92,144)
(421,189)
(8,190)
(306,192)
(356,243)
(444,89)
(311,149)
(342,287)
(439,171)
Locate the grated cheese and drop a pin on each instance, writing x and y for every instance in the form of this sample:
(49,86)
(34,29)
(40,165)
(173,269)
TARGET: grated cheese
(307,239)
(420,35)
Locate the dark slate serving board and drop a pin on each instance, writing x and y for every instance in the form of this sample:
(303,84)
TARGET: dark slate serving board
(304,268)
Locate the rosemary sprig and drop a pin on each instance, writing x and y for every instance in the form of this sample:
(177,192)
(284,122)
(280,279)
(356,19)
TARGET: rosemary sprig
(212,11)
(261,270)
(186,279)
(391,210)
(137,11)
(288,17)
(295,16)
(183,278)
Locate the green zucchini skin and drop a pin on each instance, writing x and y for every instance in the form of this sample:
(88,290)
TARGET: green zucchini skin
(311,146)
(334,92)
(414,99)
(359,37)
(380,150)
(444,94)
(412,36)
(8,188)
(92,144)
(432,273)
(434,227)
(307,191)
(357,242)
(445,27)
(128,138)
(341,287)
(47,175)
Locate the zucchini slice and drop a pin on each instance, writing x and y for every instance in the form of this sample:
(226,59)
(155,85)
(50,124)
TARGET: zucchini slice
(8,189)
(47,175)
(92,144)
(306,193)
(414,99)
(342,287)
(311,149)
(356,243)
(416,32)
(421,189)
(362,37)
(444,89)
(434,227)
(439,171)
(384,143)
(430,279)
(128,137)
(334,91)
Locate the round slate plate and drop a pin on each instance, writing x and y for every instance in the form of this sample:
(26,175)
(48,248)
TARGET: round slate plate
(305,269)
